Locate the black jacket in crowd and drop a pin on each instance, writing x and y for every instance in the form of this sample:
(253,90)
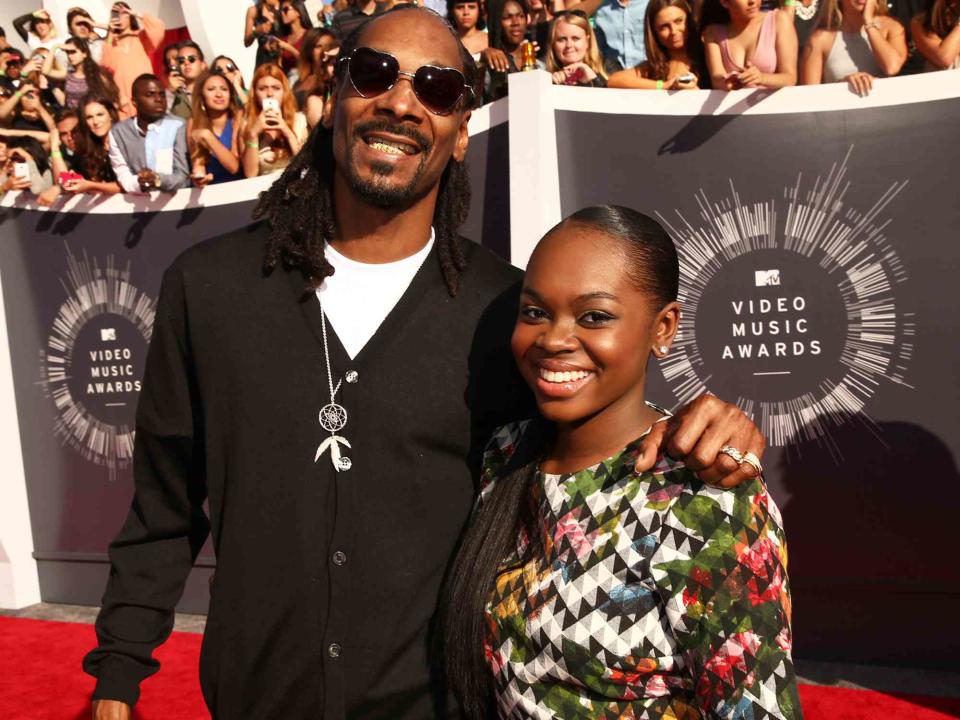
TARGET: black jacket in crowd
(326,582)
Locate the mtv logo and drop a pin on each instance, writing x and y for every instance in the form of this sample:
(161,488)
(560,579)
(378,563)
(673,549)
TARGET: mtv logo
(108,334)
(762,278)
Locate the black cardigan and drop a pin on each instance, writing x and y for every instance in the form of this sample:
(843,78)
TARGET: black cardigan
(326,582)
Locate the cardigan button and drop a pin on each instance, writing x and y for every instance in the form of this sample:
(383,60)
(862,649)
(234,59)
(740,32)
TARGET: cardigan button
(339,557)
(333,650)
(345,463)
(352,376)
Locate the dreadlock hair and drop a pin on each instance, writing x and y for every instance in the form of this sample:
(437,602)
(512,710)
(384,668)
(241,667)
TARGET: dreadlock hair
(299,205)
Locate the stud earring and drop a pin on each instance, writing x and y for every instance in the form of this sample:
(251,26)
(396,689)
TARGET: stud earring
(664,349)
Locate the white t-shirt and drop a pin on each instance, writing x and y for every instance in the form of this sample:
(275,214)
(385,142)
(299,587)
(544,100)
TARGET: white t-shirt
(359,296)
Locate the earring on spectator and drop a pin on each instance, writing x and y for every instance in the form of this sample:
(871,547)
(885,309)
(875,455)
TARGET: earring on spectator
(663,350)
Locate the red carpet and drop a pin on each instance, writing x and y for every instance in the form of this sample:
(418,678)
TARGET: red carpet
(41,679)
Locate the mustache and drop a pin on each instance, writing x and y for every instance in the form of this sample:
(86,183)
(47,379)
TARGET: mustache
(386,126)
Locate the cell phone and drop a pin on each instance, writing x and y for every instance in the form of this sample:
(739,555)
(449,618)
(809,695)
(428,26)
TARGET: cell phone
(687,78)
(21,171)
(66,177)
(271,103)
(114,16)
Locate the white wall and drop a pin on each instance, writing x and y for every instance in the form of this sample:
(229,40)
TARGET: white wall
(19,585)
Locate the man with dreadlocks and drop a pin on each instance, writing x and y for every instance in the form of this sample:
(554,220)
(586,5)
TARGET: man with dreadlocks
(330,399)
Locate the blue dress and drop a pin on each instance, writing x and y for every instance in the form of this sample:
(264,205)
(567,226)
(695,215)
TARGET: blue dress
(214,166)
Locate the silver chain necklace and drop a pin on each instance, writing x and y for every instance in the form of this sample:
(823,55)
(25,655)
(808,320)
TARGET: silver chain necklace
(333,417)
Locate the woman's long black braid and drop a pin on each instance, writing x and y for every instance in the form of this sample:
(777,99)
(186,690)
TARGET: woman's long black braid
(299,205)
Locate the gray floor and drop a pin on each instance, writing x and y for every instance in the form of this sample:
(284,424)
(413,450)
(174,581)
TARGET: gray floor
(871,677)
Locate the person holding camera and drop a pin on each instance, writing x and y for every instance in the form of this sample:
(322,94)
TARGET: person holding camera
(674,53)
(24,111)
(273,129)
(26,166)
(126,54)
(161,164)
(181,82)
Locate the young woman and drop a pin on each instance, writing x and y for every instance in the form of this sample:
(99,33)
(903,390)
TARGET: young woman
(126,53)
(24,111)
(936,33)
(83,75)
(583,588)
(36,29)
(294,23)
(748,48)
(91,161)
(273,129)
(855,43)
(572,56)
(228,68)
(80,24)
(509,21)
(318,60)
(674,53)
(467,20)
(214,131)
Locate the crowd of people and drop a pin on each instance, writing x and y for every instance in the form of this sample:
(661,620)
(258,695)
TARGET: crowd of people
(84,111)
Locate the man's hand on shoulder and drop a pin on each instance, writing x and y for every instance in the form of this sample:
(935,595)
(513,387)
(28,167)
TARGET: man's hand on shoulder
(696,434)
(110,710)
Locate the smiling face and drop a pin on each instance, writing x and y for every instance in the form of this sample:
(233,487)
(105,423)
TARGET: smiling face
(852,7)
(97,119)
(570,43)
(585,331)
(513,23)
(216,93)
(670,27)
(389,150)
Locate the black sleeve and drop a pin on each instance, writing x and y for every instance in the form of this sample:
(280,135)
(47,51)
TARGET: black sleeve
(166,526)
(20,25)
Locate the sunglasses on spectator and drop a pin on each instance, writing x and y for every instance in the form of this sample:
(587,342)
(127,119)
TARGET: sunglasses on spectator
(374,72)
(15,61)
(187,59)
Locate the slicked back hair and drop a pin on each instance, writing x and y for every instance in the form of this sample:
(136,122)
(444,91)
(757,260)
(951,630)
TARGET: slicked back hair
(299,205)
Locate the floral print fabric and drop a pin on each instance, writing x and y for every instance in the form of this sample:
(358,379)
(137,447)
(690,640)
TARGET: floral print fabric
(651,596)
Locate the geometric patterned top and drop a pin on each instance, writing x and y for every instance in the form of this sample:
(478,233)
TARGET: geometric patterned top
(654,596)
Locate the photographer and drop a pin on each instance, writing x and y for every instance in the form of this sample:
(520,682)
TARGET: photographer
(24,111)
(161,164)
(273,129)
(26,166)
(191,65)
(263,27)
(126,53)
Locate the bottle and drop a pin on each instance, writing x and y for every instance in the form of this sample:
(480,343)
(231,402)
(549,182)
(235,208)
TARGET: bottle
(529,56)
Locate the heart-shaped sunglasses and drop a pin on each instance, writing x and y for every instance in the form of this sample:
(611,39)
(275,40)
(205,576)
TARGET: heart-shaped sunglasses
(374,72)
